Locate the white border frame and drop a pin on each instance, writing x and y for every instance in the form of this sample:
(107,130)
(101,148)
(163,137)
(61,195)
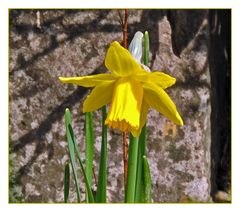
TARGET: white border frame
(5,5)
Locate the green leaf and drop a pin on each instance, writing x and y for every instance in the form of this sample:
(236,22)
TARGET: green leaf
(71,151)
(147,181)
(132,170)
(89,140)
(66,183)
(146,49)
(102,174)
(88,188)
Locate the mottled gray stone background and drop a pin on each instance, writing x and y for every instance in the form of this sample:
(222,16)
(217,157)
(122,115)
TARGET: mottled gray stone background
(188,163)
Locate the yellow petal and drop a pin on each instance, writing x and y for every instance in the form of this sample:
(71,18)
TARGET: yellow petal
(159,78)
(100,96)
(143,117)
(88,81)
(119,61)
(157,98)
(126,105)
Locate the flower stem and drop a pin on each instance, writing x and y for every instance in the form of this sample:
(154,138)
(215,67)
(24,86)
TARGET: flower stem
(125,150)
(101,196)
(132,170)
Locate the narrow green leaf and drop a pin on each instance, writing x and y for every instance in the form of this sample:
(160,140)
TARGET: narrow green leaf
(139,179)
(102,174)
(71,151)
(147,181)
(89,141)
(88,188)
(146,49)
(132,170)
(66,183)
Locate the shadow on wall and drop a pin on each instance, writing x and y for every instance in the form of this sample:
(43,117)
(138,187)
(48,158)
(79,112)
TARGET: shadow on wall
(72,32)
(220,70)
(219,58)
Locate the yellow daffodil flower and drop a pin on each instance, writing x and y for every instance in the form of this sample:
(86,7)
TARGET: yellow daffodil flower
(130,89)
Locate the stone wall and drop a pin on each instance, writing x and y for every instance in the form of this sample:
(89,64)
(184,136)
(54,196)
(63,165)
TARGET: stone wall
(46,44)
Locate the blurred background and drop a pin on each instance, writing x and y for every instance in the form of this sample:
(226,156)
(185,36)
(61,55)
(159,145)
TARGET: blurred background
(191,163)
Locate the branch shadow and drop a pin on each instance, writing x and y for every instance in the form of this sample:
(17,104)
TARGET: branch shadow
(45,126)
(73,31)
(184,24)
(149,22)
(38,135)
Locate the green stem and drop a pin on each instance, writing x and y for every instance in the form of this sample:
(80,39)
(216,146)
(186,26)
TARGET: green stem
(102,175)
(139,196)
(141,152)
(132,170)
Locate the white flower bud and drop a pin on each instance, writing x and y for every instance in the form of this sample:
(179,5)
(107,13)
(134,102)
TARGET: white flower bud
(135,47)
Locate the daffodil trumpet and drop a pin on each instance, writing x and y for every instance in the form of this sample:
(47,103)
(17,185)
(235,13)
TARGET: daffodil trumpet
(130,89)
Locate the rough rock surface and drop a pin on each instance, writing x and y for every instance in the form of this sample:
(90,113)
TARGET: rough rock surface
(45,44)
